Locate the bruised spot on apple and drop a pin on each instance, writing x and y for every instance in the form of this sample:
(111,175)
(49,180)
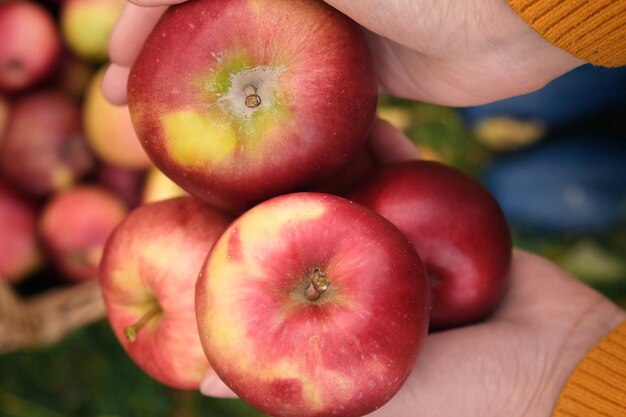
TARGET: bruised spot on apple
(311,305)
(238,100)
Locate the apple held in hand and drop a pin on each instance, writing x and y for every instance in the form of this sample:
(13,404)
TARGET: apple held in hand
(238,101)
(458,230)
(311,305)
(148,275)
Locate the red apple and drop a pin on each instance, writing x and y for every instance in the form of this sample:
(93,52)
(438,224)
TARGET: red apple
(75,226)
(458,229)
(43,149)
(109,130)
(311,305)
(30,44)
(237,101)
(20,253)
(362,165)
(148,274)
(87,24)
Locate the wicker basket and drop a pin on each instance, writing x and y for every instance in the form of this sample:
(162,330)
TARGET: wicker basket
(46,318)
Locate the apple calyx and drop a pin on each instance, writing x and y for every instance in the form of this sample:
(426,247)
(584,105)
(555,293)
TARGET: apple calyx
(252,99)
(319,283)
(132,330)
(248,88)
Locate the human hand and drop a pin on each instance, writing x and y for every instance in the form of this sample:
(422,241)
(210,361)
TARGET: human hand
(513,364)
(442,51)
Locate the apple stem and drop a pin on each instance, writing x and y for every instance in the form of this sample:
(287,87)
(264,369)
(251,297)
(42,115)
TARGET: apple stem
(131,331)
(252,99)
(319,284)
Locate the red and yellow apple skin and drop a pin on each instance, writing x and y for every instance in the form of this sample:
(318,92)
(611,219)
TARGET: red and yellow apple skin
(458,229)
(30,44)
(346,353)
(43,149)
(20,252)
(75,225)
(192,95)
(149,270)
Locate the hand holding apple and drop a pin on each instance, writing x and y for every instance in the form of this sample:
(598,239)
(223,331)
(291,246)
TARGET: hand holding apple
(311,305)
(429,51)
(516,363)
(238,101)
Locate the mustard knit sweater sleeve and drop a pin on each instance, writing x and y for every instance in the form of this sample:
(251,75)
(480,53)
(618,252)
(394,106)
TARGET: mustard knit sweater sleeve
(592,30)
(597,387)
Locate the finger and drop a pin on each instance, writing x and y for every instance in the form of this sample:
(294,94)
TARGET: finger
(114,84)
(391,145)
(212,386)
(131,31)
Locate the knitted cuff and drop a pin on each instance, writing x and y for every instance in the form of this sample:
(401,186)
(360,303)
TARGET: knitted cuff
(592,30)
(597,387)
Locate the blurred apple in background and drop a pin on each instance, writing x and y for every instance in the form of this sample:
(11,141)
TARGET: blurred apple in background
(127,184)
(4,115)
(75,226)
(158,186)
(20,252)
(110,131)
(72,75)
(86,26)
(43,149)
(30,44)
(148,276)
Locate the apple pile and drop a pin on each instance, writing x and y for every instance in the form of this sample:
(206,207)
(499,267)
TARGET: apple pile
(71,166)
(238,222)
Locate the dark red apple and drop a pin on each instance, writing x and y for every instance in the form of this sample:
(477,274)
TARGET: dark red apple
(30,44)
(361,166)
(148,276)
(75,226)
(458,229)
(43,149)
(20,253)
(237,101)
(127,184)
(311,305)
